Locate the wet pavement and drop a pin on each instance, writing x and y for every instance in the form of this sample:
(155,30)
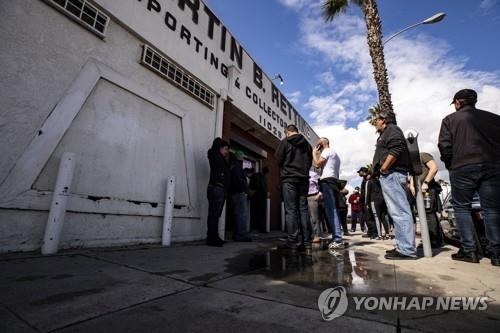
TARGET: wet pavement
(240,287)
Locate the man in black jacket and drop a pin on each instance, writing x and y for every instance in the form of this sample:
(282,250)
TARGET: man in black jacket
(294,156)
(218,157)
(392,162)
(469,142)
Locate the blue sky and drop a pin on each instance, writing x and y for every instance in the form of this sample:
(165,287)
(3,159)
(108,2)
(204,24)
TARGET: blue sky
(328,73)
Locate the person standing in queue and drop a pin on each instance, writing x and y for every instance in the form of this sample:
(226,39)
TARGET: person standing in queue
(258,193)
(469,143)
(356,212)
(431,190)
(327,159)
(218,185)
(294,157)
(391,162)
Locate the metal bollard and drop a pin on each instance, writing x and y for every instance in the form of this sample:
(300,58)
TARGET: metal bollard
(57,212)
(166,236)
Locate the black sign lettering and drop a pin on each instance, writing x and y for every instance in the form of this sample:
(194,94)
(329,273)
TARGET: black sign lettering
(283,104)
(212,19)
(170,21)
(198,44)
(185,34)
(257,75)
(223,38)
(194,5)
(214,61)
(224,70)
(236,52)
(154,5)
(275,94)
(290,110)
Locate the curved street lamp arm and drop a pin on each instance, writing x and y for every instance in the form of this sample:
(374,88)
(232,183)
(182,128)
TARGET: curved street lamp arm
(401,31)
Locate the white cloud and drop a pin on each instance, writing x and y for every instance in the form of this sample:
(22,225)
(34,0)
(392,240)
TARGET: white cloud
(424,74)
(486,5)
(294,4)
(327,78)
(294,97)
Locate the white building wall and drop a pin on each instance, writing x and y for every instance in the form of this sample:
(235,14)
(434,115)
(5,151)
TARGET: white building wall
(122,154)
(66,89)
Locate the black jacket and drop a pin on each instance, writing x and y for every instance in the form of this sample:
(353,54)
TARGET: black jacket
(219,167)
(294,155)
(363,192)
(374,192)
(238,179)
(392,141)
(469,136)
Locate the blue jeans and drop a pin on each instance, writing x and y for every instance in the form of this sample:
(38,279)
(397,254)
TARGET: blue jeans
(239,209)
(332,214)
(394,187)
(465,181)
(216,196)
(297,212)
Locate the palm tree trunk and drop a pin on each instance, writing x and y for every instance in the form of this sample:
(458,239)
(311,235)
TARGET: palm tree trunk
(374,36)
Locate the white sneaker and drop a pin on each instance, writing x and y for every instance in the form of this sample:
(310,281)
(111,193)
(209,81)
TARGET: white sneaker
(336,245)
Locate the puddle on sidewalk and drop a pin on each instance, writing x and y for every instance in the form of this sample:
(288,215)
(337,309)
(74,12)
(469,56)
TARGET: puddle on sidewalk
(351,267)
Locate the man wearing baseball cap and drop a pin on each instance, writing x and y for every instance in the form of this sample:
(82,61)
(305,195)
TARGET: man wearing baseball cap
(469,143)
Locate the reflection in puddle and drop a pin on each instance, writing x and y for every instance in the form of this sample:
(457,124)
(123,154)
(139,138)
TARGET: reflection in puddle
(350,267)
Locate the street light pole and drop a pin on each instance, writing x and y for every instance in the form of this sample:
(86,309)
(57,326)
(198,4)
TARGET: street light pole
(433,19)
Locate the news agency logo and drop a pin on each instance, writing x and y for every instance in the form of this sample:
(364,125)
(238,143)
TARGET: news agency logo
(333,303)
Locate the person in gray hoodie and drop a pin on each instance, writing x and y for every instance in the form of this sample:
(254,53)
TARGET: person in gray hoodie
(294,156)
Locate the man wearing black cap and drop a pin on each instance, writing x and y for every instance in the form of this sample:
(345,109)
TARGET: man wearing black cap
(469,143)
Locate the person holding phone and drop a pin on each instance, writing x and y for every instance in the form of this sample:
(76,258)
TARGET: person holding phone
(329,161)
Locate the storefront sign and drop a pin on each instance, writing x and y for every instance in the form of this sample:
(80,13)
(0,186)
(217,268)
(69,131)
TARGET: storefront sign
(189,32)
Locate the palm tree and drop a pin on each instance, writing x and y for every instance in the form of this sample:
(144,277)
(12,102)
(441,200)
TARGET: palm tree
(373,112)
(332,8)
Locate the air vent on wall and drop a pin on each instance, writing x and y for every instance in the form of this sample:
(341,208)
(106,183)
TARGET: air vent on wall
(177,76)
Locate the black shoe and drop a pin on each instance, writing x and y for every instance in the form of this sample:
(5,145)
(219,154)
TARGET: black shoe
(398,256)
(433,245)
(214,242)
(495,260)
(366,236)
(465,256)
(391,251)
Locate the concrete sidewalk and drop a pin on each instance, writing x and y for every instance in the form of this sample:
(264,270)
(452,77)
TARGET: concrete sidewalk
(244,287)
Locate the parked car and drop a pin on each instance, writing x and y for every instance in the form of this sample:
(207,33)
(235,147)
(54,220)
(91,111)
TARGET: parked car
(450,230)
